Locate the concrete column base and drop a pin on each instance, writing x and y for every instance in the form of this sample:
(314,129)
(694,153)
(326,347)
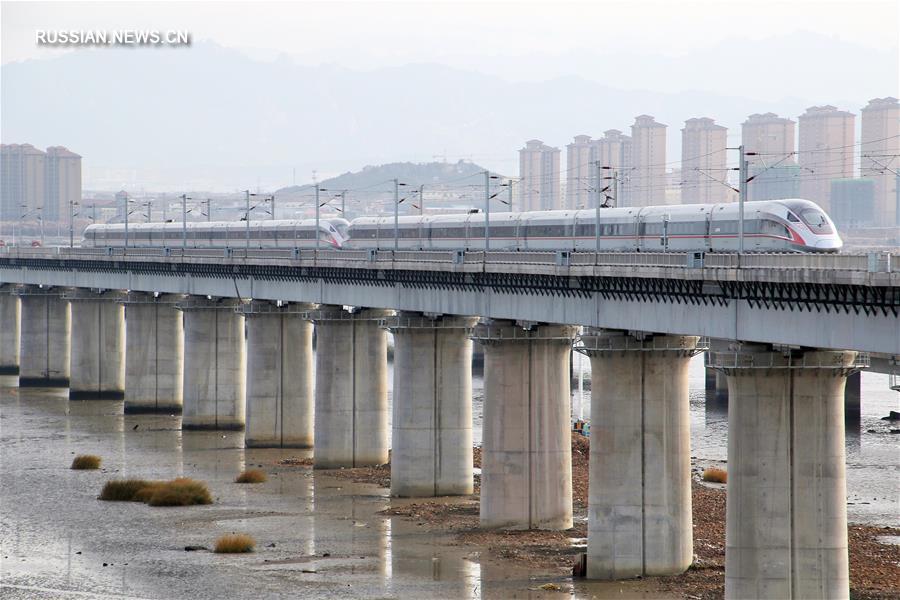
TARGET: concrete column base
(45,337)
(214,392)
(526,464)
(9,330)
(639,513)
(279,375)
(432,412)
(786,515)
(98,346)
(154,354)
(351,413)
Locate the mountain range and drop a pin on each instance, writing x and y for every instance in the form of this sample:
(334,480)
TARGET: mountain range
(213,118)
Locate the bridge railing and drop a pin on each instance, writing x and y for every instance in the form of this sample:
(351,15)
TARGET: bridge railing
(882,262)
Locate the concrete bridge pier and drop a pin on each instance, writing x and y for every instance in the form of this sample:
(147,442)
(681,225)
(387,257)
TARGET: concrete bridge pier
(351,413)
(639,507)
(154,354)
(280,376)
(97,369)
(214,385)
(786,516)
(432,416)
(716,381)
(9,331)
(45,342)
(526,466)
(853,397)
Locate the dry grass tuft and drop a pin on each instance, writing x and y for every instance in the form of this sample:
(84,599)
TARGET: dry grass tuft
(715,475)
(234,544)
(125,490)
(178,492)
(251,476)
(86,461)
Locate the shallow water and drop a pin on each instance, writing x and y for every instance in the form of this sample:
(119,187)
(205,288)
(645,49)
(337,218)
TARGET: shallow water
(55,535)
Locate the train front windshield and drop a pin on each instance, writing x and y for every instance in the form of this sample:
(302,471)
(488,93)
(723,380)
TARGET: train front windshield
(815,219)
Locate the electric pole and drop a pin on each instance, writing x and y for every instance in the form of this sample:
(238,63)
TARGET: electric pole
(396,214)
(184,199)
(125,201)
(487,212)
(71,223)
(421,199)
(317,214)
(247,218)
(600,179)
(742,193)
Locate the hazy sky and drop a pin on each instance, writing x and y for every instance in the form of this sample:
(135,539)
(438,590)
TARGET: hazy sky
(778,56)
(465,34)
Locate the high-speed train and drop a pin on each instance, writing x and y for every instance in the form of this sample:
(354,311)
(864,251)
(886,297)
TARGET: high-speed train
(333,233)
(769,226)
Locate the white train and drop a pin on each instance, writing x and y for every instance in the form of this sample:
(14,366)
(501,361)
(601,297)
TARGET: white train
(770,226)
(333,233)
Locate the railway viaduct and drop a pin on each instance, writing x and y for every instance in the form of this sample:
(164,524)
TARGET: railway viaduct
(226,337)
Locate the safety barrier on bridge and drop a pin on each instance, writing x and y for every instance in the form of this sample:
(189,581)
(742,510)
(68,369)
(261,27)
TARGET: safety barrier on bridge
(819,359)
(589,343)
(875,262)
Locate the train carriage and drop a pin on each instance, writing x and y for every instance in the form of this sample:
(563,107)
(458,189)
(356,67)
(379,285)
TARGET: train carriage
(792,225)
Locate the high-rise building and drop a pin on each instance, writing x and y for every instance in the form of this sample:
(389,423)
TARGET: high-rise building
(62,185)
(825,152)
(770,136)
(853,203)
(770,141)
(581,172)
(880,155)
(22,173)
(704,175)
(614,151)
(121,205)
(538,177)
(647,184)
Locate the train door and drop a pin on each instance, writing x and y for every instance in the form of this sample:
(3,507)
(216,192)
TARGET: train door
(664,236)
(707,224)
(638,232)
(755,227)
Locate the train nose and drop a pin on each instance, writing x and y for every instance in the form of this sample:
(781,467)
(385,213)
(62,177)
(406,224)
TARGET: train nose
(829,244)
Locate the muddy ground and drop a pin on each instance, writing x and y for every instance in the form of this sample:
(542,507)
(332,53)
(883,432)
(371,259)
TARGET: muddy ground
(874,562)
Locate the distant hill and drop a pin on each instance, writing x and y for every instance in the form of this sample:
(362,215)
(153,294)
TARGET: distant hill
(208,117)
(378,177)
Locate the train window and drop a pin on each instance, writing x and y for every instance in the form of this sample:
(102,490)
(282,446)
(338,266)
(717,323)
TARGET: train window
(539,231)
(504,231)
(476,232)
(621,229)
(448,232)
(769,227)
(652,229)
(792,217)
(585,230)
(815,219)
(723,227)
